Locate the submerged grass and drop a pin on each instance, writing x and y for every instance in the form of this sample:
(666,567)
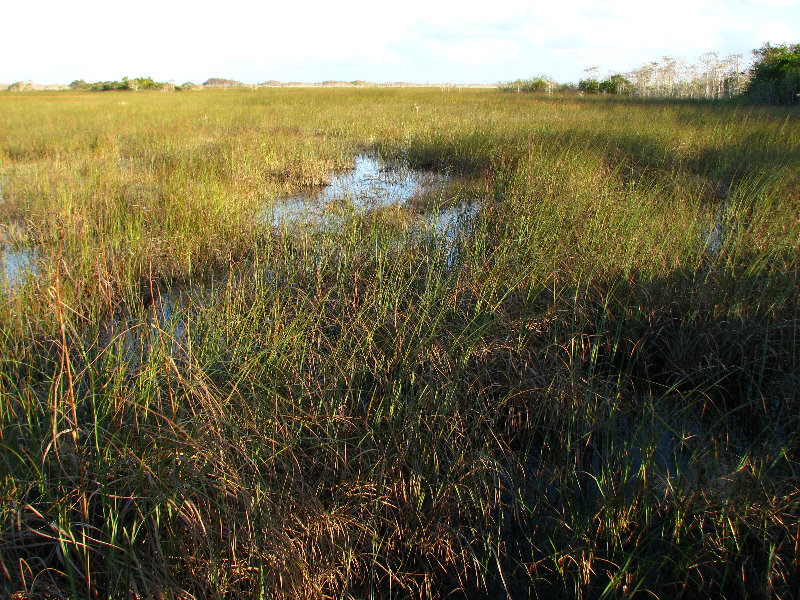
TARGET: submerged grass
(591,391)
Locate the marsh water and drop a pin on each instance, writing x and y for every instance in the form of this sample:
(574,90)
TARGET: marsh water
(372,184)
(17,265)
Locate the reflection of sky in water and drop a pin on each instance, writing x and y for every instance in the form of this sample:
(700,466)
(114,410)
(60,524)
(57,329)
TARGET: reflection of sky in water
(448,220)
(375,184)
(16,265)
(370,184)
(162,326)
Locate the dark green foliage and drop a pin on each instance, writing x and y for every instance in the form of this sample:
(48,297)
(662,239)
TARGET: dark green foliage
(775,76)
(540,83)
(615,84)
(138,83)
(590,86)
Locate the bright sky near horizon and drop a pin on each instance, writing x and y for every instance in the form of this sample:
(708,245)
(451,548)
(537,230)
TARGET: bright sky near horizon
(463,41)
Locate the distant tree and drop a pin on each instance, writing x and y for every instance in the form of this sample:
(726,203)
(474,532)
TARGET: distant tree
(641,79)
(734,78)
(672,69)
(129,84)
(592,73)
(104,86)
(711,77)
(147,83)
(79,84)
(775,75)
(590,84)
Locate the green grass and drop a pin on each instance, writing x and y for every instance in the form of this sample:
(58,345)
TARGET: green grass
(584,401)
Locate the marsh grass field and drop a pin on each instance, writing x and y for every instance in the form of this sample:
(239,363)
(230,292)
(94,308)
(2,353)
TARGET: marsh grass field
(585,388)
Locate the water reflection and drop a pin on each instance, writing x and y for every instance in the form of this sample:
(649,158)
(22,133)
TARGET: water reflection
(160,325)
(432,209)
(371,184)
(17,265)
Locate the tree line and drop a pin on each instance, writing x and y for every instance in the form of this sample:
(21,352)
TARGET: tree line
(773,77)
(130,84)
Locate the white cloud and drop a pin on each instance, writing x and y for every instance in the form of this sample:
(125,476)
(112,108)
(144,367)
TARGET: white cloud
(777,32)
(769,3)
(50,40)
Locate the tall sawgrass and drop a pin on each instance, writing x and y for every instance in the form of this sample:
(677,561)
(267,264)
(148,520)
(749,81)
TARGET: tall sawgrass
(590,391)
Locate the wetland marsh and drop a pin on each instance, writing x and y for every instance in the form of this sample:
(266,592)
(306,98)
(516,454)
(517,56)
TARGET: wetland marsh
(404,343)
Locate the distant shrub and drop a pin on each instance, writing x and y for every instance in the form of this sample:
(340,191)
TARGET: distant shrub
(219,82)
(775,76)
(20,86)
(589,86)
(540,83)
(136,84)
(615,84)
(79,84)
(104,86)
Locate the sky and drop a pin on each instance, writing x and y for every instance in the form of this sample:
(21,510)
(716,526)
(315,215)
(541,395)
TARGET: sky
(420,41)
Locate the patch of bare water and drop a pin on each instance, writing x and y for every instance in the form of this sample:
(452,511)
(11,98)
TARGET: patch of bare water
(453,219)
(17,265)
(162,326)
(371,184)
